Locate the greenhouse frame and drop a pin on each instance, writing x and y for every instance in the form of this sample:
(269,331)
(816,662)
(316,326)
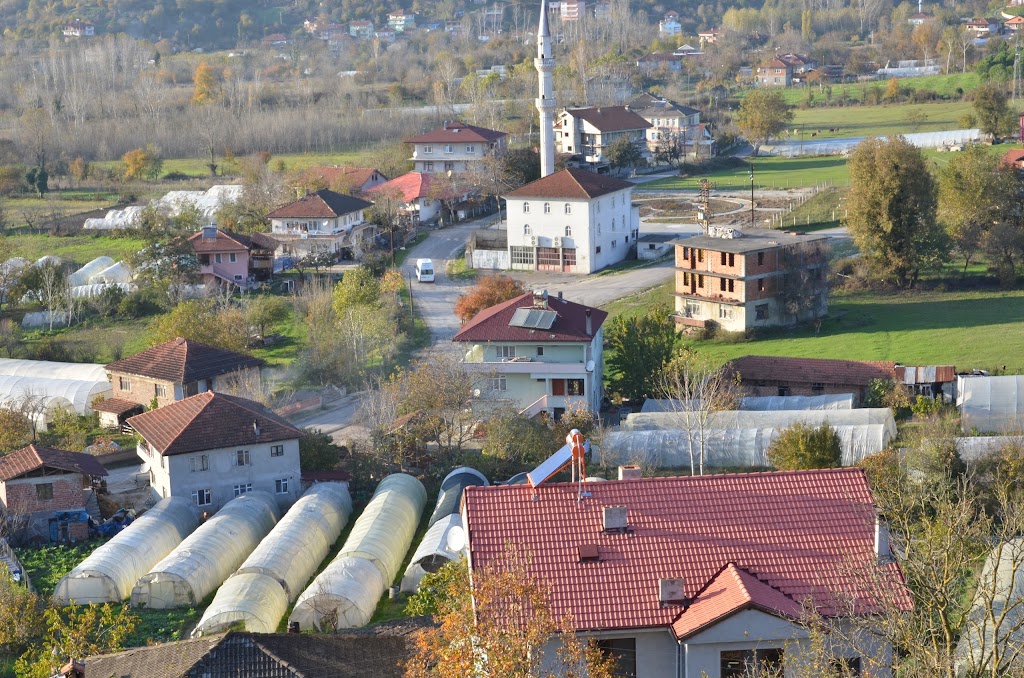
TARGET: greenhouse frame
(435,550)
(285,560)
(201,563)
(345,594)
(110,572)
(991,404)
(450,495)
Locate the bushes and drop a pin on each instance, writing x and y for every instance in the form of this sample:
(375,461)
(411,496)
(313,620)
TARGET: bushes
(801,447)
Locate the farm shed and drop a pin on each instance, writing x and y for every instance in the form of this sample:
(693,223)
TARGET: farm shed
(731,446)
(451,491)
(443,542)
(108,574)
(991,404)
(284,561)
(201,563)
(346,593)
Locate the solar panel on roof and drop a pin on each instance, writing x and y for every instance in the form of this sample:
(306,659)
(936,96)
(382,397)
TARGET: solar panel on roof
(533,318)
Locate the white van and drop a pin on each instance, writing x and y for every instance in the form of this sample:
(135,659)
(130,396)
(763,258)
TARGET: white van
(424,270)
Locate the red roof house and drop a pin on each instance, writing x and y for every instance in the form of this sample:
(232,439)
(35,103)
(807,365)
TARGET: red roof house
(705,573)
(345,179)
(412,189)
(774,375)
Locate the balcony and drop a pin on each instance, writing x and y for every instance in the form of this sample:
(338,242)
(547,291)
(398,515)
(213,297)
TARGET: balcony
(536,370)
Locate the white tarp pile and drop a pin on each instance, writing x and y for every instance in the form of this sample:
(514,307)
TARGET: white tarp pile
(201,563)
(346,593)
(208,203)
(258,594)
(110,572)
(829,401)
(991,404)
(737,438)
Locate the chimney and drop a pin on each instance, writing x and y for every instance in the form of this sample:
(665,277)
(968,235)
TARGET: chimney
(630,472)
(209,232)
(445,124)
(672,591)
(256,427)
(559,294)
(540,299)
(883,545)
(615,519)
(590,325)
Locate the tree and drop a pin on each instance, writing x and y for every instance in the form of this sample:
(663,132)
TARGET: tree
(263,314)
(623,152)
(971,193)
(15,430)
(438,391)
(640,346)
(358,287)
(488,291)
(75,632)
(201,320)
(800,447)
(317,451)
(39,179)
(437,588)
(500,623)
(514,441)
(21,615)
(991,109)
(204,84)
(142,163)
(891,210)
(168,266)
(763,114)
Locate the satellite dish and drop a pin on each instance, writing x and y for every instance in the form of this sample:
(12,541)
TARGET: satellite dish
(476,393)
(590,366)
(456,539)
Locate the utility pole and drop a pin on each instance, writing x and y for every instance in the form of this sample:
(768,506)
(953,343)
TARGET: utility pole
(1016,72)
(704,204)
(751,195)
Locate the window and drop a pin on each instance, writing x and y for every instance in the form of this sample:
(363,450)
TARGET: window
(199,462)
(724,259)
(818,389)
(613,223)
(232,257)
(201,497)
(540,350)
(568,231)
(724,312)
(449,167)
(498,384)
(428,149)
(44,491)
(547,208)
(783,390)
(623,651)
(521,255)
(597,250)
(731,285)
(526,208)
(569,254)
(692,309)
(217,258)
(615,243)
(846,666)
(568,208)
(760,258)
(242,458)
(526,229)
(125,383)
(746,663)
(242,489)
(700,256)
(281,486)
(470,148)
(760,284)
(428,166)
(575,387)
(449,148)
(700,281)
(277,450)
(761,312)
(505,351)
(721,284)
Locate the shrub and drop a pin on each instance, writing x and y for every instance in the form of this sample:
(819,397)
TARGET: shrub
(802,447)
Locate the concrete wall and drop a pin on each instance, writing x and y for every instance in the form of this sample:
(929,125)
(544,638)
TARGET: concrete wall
(649,251)
(491,260)
(173,476)
(20,494)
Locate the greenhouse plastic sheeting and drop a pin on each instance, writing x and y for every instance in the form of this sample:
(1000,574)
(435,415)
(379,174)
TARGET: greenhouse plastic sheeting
(991,404)
(108,574)
(53,370)
(37,319)
(254,600)
(83,276)
(726,447)
(976,448)
(829,401)
(80,394)
(434,551)
(90,291)
(1000,595)
(47,260)
(347,590)
(209,555)
(727,419)
(114,219)
(451,491)
(118,273)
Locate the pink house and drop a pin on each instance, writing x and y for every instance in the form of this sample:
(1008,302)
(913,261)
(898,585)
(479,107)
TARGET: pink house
(227,258)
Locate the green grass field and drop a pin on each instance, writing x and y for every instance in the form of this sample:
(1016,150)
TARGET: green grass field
(943,85)
(770,173)
(197,167)
(80,249)
(819,212)
(874,121)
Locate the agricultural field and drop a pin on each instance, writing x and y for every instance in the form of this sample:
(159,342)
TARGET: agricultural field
(80,249)
(876,121)
(972,330)
(945,86)
(197,167)
(770,173)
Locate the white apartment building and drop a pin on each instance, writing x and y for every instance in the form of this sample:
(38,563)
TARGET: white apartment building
(587,133)
(573,221)
(454,147)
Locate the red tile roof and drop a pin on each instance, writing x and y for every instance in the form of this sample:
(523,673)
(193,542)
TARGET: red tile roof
(610,118)
(571,183)
(492,324)
(116,406)
(797,532)
(355,177)
(183,361)
(410,186)
(227,241)
(1013,157)
(35,457)
(812,370)
(732,590)
(210,421)
(457,132)
(323,204)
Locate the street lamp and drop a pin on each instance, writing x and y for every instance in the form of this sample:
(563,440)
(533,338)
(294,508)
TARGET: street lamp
(751,195)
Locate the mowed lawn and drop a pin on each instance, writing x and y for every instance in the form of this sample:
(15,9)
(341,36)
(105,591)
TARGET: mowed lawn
(770,173)
(945,86)
(971,330)
(876,121)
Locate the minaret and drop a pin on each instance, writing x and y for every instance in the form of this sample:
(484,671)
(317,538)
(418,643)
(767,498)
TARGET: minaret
(545,64)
